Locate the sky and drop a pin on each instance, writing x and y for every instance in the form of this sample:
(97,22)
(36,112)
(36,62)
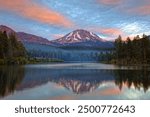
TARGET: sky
(53,19)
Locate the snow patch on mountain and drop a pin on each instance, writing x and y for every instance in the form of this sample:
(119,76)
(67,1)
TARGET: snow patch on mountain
(79,37)
(69,35)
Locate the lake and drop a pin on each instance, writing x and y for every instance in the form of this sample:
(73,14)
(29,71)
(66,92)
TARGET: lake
(74,81)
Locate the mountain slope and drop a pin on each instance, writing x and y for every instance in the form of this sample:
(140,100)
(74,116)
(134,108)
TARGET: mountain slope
(7,30)
(82,38)
(25,37)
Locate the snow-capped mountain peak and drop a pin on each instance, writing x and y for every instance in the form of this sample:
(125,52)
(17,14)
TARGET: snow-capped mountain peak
(77,36)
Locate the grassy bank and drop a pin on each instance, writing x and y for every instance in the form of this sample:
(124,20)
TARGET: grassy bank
(43,60)
(23,60)
(126,63)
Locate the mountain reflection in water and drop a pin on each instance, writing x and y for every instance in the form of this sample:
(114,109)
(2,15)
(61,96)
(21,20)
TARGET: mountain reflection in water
(19,79)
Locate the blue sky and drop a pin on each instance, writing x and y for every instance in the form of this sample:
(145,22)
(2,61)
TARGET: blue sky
(54,18)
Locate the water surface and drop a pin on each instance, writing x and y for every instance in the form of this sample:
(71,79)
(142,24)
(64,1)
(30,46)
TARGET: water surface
(78,81)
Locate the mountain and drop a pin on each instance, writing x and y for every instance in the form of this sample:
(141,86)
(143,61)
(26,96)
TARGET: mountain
(78,36)
(25,37)
(7,30)
(77,39)
(82,38)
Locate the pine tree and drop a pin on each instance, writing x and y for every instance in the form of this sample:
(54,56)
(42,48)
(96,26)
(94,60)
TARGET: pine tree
(136,51)
(10,48)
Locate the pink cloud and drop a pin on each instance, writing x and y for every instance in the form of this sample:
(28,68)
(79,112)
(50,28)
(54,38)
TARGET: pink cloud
(63,97)
(57,36)
(111,33)
(111,91)
(31,10)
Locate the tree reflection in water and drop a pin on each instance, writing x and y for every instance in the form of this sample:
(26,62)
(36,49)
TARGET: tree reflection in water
(137,78)
(10,78)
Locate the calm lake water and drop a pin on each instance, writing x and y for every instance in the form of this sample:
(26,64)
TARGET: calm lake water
(74,81)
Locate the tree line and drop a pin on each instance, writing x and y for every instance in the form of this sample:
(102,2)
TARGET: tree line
(12,51)
(136,51)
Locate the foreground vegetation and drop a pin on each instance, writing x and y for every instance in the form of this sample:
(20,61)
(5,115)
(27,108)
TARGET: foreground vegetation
(131,52)
(12,51)
(43,60)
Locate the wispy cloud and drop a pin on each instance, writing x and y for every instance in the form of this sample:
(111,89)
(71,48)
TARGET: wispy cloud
(34,11)
(141,10)
(109,2)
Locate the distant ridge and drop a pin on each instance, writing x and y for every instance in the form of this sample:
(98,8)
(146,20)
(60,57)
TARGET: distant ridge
(25,37)
(77,39)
